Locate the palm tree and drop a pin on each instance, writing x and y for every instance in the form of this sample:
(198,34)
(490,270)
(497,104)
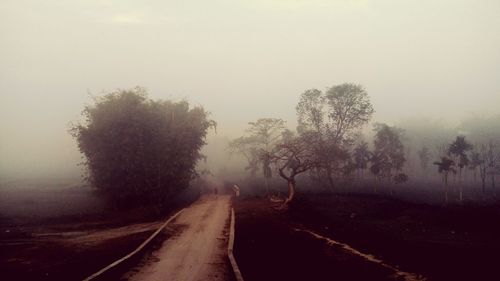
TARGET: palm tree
(459,149)
(445,167)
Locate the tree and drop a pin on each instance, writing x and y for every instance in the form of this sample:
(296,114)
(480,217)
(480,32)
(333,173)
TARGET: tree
(424,156)
(475,163)
(388,155)
(361,156)
(262,136)
(445,166)
(459,149)
(293,156)
(349,109)
(483,166)
(139,151)
(492,157)
(246,146)
(330,119)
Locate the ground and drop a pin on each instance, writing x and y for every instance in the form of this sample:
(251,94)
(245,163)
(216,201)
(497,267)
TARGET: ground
(405,240)
(198,250)
(63,232)
(320,237)
(57,252)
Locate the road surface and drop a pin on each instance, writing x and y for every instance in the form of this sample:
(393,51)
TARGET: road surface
(198,251)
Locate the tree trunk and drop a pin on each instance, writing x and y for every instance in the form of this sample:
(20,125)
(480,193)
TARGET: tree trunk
(483,181)
(377,182)
(330,178)
(445,189)
(266,181)
(460,175)
(291,192)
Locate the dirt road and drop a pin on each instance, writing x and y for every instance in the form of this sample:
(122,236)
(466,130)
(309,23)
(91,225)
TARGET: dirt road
(197,252)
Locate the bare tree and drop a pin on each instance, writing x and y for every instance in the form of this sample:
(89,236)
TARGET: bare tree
(293,156)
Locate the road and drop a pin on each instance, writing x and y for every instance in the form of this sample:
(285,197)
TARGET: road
(198,251)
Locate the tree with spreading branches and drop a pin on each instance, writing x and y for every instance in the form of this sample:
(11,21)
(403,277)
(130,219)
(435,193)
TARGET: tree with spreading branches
(292,157)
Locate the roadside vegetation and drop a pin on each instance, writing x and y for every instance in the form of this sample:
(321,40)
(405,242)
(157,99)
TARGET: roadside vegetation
(140,151)
(332,150)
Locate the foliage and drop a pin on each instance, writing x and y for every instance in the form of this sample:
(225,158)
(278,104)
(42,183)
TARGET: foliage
(140,151)
(246,146)
(261,138)
(361,155)
(330,121)
(446,165)
(349,109)
(459,149)
(388,155)
(293,155)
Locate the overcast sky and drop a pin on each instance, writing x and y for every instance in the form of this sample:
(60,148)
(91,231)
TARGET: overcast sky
(241,60)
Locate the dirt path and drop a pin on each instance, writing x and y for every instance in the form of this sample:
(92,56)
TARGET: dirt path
(198,251)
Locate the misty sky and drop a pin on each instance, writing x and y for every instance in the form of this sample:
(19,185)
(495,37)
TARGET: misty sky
(240,59)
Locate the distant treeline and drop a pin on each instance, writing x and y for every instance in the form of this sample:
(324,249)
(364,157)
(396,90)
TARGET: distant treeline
(329,148)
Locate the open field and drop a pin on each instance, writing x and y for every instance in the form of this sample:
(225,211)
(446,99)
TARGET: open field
(305,243)
(64,232)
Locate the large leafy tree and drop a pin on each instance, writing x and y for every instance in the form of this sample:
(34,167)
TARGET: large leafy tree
(388,154)
(331,120)
(349,109)
(140,151)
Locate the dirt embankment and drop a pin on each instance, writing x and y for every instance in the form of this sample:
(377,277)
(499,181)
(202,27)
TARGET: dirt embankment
(457,243)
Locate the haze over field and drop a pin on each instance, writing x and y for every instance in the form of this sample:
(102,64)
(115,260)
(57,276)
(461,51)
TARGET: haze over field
(241,60)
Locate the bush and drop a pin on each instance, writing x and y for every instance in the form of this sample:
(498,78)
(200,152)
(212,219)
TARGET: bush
(139,151)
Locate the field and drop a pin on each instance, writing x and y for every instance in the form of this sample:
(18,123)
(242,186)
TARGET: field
(65,232)
(422,241)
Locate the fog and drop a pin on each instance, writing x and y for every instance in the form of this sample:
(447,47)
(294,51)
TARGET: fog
(241,60)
